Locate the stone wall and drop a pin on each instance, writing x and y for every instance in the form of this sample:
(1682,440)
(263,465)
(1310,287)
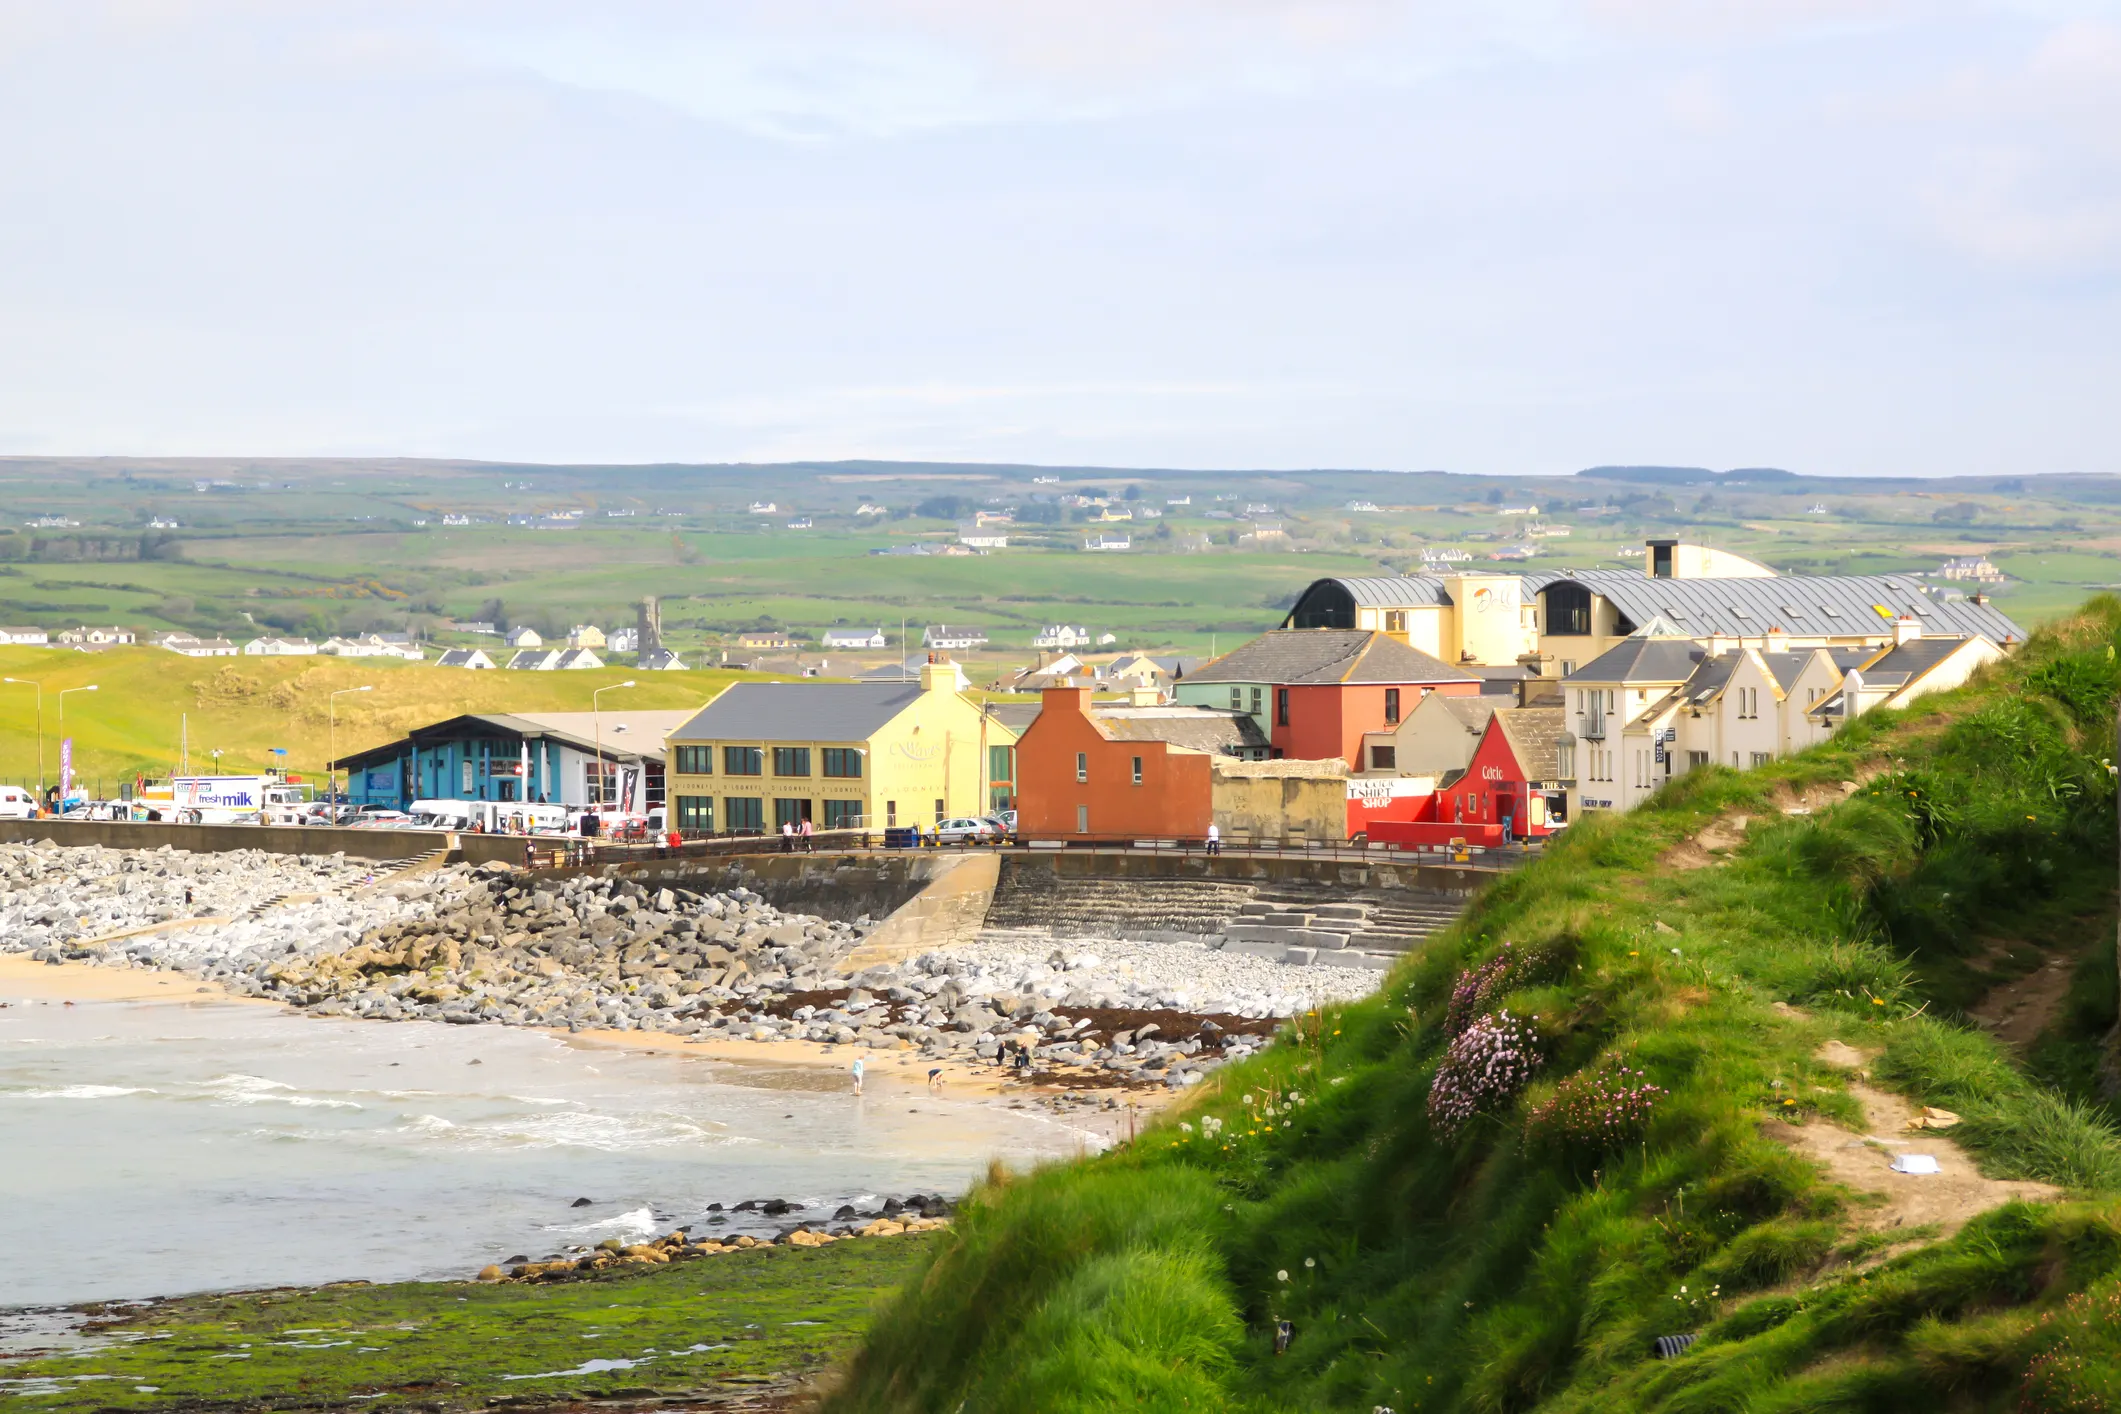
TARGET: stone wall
(219,839)
(1279,800)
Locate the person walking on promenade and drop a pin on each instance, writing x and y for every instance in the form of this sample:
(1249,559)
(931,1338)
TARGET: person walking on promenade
(1215,838)
(809,835)
(787,837)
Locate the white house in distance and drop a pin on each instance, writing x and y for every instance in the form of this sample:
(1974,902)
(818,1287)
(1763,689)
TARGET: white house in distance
(1062,636)
(25,637)
(469,658)
(524,638)
(1978,568)
(279,648)
(947,636)
(191,646)
(373,645)
(86,637)
(1103,541)
(856,638)
(979,538)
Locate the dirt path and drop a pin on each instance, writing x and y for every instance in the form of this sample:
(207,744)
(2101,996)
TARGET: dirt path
(2017,1011)
(1942,1201)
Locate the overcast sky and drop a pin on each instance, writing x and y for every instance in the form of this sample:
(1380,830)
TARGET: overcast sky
(1841,236)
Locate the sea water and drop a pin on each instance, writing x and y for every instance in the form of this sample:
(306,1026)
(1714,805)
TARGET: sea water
(158,1148)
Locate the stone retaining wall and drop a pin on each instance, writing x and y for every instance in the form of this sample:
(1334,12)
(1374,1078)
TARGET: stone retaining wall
(220,839)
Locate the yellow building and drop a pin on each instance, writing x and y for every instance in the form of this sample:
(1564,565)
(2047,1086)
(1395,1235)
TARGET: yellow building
(842,755)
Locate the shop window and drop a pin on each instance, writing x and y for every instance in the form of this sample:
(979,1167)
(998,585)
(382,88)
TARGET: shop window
(695,814)
(747,814)
(743,761)
(790,810)
(843,815)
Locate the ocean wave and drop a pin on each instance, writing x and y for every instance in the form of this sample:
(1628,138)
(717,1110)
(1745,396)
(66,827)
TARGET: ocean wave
(639,1220)
(78,1092)
(428,1124)
(611,1134)
(254,1090)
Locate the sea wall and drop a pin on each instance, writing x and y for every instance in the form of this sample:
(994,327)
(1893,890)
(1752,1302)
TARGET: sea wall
(219,839)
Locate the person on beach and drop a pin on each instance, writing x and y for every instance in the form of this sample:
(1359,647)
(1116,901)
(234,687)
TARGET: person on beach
(857,1069)
(809,834)
(1215,838)
(935,1077)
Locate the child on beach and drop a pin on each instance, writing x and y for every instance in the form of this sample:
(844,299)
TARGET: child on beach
(857,1069)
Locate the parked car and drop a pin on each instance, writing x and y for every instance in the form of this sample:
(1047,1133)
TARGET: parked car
(967,830)
(1006,819)
(381,818)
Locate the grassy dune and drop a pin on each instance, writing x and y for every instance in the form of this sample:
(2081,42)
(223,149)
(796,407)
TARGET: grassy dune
(246,706)
(1571,1125)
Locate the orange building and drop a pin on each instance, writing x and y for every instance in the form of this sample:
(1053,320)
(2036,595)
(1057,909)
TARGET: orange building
(1140,769)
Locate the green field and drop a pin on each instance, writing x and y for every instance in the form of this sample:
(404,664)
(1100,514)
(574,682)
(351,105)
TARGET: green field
(321,546)
(147,701)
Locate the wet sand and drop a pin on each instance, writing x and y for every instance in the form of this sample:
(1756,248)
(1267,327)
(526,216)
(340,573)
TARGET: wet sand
(22,979)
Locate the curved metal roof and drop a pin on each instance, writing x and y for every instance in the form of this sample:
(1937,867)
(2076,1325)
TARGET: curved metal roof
(1399,591)
(1834,605)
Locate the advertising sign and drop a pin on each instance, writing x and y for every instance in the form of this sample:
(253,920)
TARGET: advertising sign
(66,769)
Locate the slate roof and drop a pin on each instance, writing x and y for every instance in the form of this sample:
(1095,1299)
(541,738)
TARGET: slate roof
(1305,657)
(1786,666)
(1534,733)
(799,711)
(1209,729)
(1830,605)
(1641,659)
(1903,663)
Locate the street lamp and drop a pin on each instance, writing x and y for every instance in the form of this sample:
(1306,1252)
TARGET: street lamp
(25,682)
(62,721)
(331,711)
(596,724)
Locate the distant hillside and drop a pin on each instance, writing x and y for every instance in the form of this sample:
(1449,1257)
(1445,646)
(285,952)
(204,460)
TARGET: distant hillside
(1626,1098)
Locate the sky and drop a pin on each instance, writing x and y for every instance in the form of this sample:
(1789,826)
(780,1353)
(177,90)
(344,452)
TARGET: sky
(1847,237)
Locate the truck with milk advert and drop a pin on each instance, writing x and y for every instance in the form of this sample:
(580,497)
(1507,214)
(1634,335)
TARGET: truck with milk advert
(232,800)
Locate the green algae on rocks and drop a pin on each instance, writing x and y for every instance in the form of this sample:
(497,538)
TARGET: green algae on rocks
(750,1321)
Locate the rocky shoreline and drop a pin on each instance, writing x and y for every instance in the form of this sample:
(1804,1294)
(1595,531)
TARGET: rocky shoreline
(467,946)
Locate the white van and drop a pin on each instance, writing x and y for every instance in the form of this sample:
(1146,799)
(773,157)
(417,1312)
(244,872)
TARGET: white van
(17,804)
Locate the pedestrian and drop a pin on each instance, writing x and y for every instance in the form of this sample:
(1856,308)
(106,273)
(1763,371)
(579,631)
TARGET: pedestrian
(809,834)
(530,855)
(787,837)
(856,1068)
(935,1078)
(1215,838)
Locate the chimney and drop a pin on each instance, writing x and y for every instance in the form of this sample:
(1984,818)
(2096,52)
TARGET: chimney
(1851,695)
(1144,695)
(1906,629)
(1719,644)
(1778,639)
(938,674)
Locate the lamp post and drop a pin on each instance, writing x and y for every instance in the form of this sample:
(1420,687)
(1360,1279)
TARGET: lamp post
(25,682)
(62,722)
(596,724)
(331,712)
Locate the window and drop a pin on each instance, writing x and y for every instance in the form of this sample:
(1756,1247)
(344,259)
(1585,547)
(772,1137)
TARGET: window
(1258,700)
(791,761)
(1137,770)
(1568,665)
(1082,767)
(1696,759)
(1568,610)
(467,778)
(1281,706)
(843,763)
(1761,758)
(939,812)
(746,814)
(1237,699)
(695,761)
(1391,704)
(890,814)
(600,781)
(1384,758)
(1395,621)
(742,761)
(695,814)
(1001,763)
(789,810)
(1082,819)
(843,815)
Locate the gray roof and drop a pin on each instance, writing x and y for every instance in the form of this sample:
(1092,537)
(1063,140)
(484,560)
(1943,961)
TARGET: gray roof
(1201,728)
(1473,713)
(1786,666)
(1311,656)
(1903,663)
(1534,733)
(1399,591)
(1833,605)
(799,711)
(1660,660)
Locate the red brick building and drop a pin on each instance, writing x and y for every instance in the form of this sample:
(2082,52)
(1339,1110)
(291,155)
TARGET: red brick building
(1139,769)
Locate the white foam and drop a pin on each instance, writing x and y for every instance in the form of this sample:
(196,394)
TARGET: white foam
(78,1092)
(641,1220)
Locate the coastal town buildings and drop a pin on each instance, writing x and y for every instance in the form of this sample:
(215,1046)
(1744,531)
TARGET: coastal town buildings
(1138,768)
(841,755)
(612,758)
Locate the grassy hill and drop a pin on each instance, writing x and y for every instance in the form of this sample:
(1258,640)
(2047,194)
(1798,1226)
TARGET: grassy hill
(146,697)
(1623,1099)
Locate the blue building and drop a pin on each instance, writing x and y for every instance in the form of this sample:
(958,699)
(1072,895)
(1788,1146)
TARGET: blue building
(559,758)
